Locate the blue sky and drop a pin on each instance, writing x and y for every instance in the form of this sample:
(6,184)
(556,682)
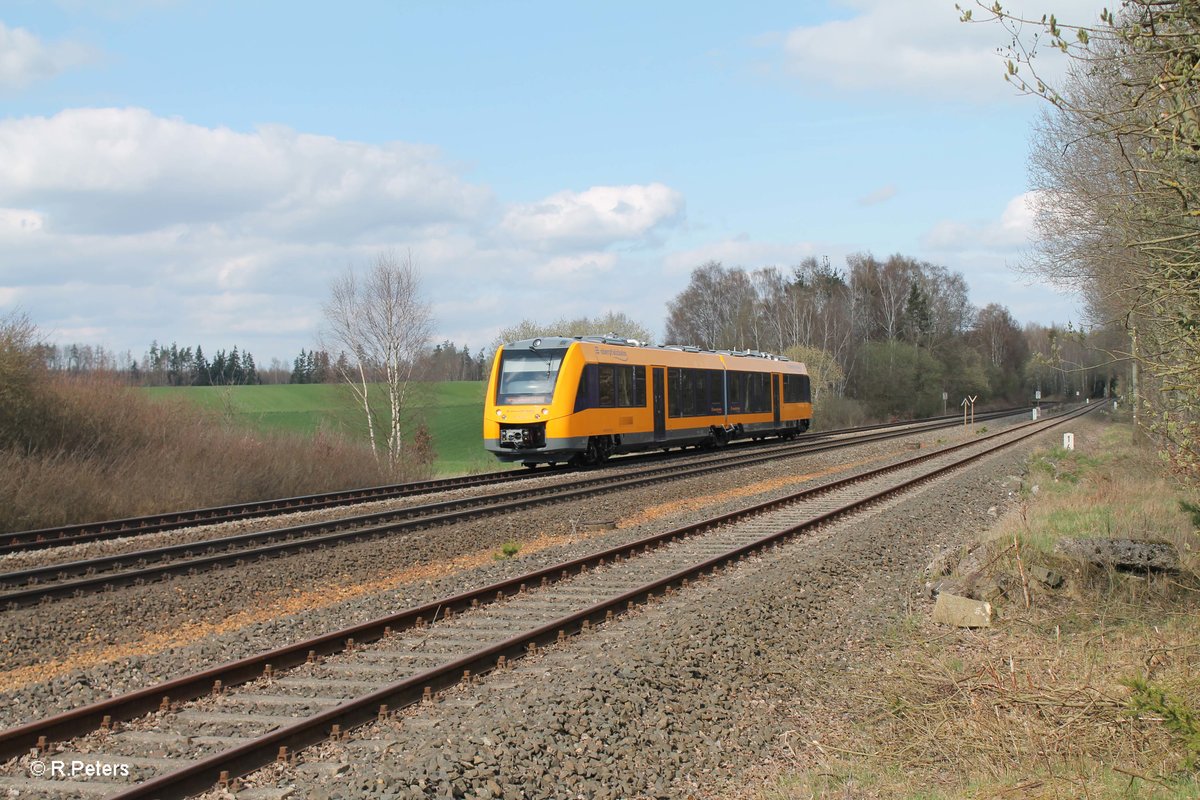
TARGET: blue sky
(201,171)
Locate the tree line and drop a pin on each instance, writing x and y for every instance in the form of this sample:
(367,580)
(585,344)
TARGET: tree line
(172,365)
(898,336)
(1114,160)
(443,362)
(880,337)
(893,337)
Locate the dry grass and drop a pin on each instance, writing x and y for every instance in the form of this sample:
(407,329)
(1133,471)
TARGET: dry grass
(87,448)
(1091,691)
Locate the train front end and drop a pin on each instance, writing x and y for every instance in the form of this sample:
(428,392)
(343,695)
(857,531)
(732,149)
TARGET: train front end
(530,401)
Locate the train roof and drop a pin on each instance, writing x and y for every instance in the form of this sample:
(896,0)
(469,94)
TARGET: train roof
(544,342)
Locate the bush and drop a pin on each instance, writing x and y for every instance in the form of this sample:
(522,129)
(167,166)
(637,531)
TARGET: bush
(78,448)
(838,412)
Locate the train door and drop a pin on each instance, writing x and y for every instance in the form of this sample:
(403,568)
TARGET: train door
(776,397)
(660,405)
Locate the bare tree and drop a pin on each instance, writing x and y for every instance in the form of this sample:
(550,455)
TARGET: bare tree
(384,323)
(1116,161)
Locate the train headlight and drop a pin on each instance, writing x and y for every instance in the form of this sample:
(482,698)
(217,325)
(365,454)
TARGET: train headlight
(544,412)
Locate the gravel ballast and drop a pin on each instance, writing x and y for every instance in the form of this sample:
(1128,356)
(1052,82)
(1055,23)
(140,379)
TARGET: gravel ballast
(68,653)
(675,699)
(686,696)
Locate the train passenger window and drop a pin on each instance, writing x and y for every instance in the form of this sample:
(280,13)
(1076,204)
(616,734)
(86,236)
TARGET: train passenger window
(608,386)
(614,386)
(639,386)
(624,387)
(687,392)
(796,389)
(690,392)
(735,388)
(716,392)
(762,392)
(749,392)
(675,392)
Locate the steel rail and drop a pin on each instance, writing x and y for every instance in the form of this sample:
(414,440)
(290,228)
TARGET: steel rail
(204,774)
(81,533)
(64,535)
(70,579)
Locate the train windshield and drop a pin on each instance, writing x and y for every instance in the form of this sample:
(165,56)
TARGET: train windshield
(527,376)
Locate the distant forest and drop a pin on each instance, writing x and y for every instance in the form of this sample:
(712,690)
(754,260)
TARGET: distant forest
(173,365)
(881,337)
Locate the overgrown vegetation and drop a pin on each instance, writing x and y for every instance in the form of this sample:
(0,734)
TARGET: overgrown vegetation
(85,447)
(1093,690)
(892,335)
(1115,163)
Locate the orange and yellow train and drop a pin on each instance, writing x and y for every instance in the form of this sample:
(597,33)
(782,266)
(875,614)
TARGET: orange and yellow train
(579,400)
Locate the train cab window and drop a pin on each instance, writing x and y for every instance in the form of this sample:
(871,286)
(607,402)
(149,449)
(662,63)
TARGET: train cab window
(528,376)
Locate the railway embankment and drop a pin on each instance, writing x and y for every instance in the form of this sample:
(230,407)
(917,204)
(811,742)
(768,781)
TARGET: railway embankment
(715,692)
(1086,683)
(811,668)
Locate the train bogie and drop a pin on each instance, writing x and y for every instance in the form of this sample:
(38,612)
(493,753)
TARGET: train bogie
(582,399)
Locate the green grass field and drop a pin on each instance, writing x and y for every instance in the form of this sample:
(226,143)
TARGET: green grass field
(453,410)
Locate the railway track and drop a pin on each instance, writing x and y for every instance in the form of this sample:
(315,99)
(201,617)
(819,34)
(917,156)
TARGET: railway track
(206,729)
(40,584)
(66,535)
(81,533)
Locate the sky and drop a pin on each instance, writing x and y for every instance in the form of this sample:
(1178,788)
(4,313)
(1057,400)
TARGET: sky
(200,171)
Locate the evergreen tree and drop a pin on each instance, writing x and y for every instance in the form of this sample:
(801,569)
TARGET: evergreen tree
(200,368)
(216,370)
(233,368)
(298,369)
(249,371)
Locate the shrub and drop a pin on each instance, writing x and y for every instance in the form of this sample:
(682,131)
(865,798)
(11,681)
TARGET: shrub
(508,550)
(75,448)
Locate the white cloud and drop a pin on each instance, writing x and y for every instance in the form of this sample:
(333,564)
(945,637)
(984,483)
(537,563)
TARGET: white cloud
(576,266)
(19,222)
(919,47)
(1012,231)
(24,58)
(596,217)
(127,170)
(741,251)
(138,227)
(880,195)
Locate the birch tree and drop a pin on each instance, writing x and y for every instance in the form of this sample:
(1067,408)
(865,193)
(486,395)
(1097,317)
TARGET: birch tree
(382,320)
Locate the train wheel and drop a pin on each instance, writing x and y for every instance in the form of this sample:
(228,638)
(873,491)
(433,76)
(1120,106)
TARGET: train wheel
(599,448)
